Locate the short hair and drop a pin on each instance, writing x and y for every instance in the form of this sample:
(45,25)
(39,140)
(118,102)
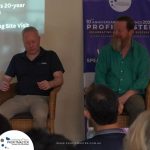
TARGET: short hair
(30,28)
(102,103)
(128,20)
(42,140)
(4,124)
(138,135)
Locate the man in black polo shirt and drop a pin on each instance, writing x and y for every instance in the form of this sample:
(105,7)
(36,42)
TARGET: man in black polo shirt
(102,110)
(37,72)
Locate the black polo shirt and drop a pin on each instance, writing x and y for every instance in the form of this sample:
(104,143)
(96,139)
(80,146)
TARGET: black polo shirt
(28,72)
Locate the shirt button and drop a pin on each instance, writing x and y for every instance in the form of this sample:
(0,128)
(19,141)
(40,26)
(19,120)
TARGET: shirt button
(121,71)
(121,79)
(119,89)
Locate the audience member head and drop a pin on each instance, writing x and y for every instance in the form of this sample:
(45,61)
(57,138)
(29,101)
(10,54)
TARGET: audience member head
(138,136)
(44,141)
(4,124)
(101,105)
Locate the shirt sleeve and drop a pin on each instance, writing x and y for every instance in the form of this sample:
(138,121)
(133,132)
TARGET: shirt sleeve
(142,75)
(56,64)
(11,68)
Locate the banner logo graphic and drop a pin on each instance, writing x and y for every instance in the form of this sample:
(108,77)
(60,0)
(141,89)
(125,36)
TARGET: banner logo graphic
(15,140)
(120,5)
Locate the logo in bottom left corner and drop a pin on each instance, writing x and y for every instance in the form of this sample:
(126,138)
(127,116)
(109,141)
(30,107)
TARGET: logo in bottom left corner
(15,140)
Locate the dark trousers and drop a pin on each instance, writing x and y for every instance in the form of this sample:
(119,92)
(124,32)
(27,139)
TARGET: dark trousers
(134,106)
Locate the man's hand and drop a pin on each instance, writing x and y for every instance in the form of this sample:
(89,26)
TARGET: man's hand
(57,81)
(124,98)
(44,85)
(4,86)
(120,108)
(5,83)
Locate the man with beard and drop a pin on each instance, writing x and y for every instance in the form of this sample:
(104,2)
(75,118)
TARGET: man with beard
(123,66)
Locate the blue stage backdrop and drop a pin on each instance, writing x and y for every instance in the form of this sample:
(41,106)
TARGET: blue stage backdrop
(98,20)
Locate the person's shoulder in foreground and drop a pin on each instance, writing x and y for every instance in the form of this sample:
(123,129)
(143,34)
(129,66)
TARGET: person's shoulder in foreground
(138,135)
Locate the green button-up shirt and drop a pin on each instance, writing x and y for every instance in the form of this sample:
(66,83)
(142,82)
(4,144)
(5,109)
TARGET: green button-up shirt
(123,74)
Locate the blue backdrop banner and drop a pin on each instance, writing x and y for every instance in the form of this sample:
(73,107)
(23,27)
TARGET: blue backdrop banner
(98,19)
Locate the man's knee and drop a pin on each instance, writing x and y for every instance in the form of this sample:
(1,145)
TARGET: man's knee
(134,106)
(6,112)
(135,103)
(40,119)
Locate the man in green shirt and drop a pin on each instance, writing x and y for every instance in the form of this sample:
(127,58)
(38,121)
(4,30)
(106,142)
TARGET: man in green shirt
(123,66)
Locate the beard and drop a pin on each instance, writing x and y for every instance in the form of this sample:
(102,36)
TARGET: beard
(116,44)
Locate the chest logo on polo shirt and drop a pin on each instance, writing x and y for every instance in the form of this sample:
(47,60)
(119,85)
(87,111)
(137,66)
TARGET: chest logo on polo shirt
(43,63)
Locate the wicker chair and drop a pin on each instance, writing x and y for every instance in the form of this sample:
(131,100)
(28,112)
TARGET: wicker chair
(25,122)
(123,119)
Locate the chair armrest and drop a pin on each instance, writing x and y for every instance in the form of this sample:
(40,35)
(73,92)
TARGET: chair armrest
(52,102)
(8,94)
(148,97)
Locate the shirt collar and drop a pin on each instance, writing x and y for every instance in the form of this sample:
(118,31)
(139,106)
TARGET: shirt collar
(108,131)
(40,54)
